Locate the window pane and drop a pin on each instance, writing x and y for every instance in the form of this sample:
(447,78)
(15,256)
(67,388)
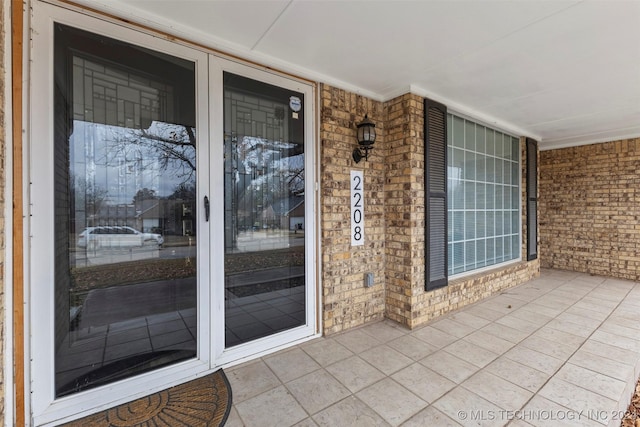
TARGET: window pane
(125,185)
(458,132)
(470,135)
(484,192)
(264,210)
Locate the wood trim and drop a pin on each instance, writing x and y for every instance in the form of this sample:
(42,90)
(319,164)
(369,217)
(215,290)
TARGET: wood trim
(17,34)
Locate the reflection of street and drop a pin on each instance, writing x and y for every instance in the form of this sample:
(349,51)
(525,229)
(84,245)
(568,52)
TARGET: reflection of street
(85,257)
(262,240)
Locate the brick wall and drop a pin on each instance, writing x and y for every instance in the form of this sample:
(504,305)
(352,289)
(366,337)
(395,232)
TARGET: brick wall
(590,209)
(394,221)
(404,200)
(345,300)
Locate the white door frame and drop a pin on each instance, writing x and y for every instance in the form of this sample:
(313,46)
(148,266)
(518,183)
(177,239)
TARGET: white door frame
(222,356)
(39,259)
(43,408)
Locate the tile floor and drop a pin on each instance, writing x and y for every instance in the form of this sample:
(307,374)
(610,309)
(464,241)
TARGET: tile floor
(563,349)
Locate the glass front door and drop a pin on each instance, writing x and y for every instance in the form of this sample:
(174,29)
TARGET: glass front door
(264,210)
(125,206)
(170,231)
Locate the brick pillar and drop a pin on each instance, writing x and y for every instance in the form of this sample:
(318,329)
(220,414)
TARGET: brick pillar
(346,301)
(404,200)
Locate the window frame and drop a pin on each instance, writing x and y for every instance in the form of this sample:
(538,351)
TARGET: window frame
(519,256)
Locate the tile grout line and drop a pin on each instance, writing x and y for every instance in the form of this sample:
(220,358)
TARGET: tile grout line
(575,351)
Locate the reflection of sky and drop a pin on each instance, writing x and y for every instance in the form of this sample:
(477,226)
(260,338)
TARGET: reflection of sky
(122,160)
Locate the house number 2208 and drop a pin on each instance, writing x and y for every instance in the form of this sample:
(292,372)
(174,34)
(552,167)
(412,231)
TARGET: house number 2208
(357,208)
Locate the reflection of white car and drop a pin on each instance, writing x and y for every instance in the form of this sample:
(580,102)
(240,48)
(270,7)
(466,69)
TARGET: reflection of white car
(111,236)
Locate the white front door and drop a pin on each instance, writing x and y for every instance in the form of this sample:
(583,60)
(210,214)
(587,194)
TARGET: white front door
(163,183)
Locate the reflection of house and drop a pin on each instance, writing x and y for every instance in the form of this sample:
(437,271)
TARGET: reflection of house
(287,213)
(148,215)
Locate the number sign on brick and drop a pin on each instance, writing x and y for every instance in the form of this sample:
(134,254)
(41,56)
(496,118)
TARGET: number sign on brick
(357,208)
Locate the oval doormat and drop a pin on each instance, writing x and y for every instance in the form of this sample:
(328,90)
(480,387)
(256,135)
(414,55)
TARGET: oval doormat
(202,402)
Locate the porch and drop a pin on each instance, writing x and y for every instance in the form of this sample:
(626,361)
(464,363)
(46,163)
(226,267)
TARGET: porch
(562,349)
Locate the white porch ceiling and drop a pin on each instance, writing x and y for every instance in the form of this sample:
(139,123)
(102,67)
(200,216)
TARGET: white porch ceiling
(565,72)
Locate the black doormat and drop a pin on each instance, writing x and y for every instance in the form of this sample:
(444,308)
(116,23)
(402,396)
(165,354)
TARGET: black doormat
(204,402)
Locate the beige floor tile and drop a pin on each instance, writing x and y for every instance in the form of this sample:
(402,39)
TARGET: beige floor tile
(423,382)
(534,359)
(603,304)
(275,408)
(610,351)
(602,365)
(623,331)
(326,351)
(317,390)
(450,367)
(550,348)
(497,390)
(536,318)
(234,419)
(476,366)
(430,416)
(349,412)
(386,359)
(593,381)
(593,306)
(547,311)
(485,312)
(391,401)
(586,322)
(384,331)
(412,347)
(518,423)
(632,344)
(291,364)
(542,412)
(505,332)
(489,342)
(559,336)
(579,310)
(570,327)
(354,373)
(514,322)
(575,397)
(251,379)
(471,353)
(357,341)
(307,422)
(434,336)
(469,319)
(519,374)
(467,408)
(452,327)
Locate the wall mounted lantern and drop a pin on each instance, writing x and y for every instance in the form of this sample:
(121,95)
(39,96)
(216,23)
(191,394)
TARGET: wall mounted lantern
(366,138)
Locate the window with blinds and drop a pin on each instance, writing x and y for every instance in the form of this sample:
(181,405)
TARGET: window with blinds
(483,186)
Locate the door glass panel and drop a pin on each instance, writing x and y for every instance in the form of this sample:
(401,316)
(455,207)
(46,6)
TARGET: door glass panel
(125,236)
(264,205)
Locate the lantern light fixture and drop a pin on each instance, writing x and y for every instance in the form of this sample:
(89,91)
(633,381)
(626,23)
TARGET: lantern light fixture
(366,138)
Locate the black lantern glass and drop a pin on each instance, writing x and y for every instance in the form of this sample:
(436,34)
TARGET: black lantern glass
(366,139)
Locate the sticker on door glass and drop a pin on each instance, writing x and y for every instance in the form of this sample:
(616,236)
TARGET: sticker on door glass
(295,103)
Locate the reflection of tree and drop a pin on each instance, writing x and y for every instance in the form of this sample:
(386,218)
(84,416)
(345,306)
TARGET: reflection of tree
(163,148)
(183,191)
(94,196)
(176,148)
(144,194)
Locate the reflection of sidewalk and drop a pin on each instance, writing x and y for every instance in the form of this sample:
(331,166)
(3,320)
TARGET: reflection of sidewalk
(120,326)
(119,303)
(263,276)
